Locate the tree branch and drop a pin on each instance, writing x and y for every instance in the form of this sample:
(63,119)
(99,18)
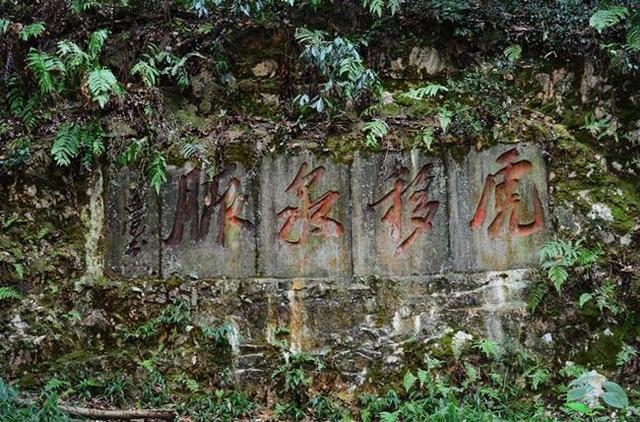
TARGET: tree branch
(166,415)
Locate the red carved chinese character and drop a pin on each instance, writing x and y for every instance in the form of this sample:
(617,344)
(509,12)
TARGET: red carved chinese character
(311,217)
(507,200)
(229,204)
(422,212)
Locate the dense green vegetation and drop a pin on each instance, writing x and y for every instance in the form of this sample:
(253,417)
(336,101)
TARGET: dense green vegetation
(143,82)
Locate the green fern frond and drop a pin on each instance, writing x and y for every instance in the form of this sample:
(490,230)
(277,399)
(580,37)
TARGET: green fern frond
(7,293)
(31,112)
(374,6)
(536,295)
(191,149)
(445,117)
(80,6)
(42,65)
(558,274)
(32,31)
(393,6)
(375,130)
(72,54)
(431,90)
(91,143)
(633,37)
(130,155)
(102,83)
(55,384)
(66,144)
(4,25)
(15,96)
(513,53)
(147,72)
(96,42)
(158,171)
(626,354)
(606,18)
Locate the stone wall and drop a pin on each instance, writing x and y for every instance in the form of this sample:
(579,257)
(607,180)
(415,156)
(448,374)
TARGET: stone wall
(357,259)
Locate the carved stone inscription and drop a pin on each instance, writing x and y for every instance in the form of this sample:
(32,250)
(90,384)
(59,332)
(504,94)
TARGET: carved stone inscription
(498,219)
(132,241)
(305,217)
(400,215)
(208,224)
(394,214)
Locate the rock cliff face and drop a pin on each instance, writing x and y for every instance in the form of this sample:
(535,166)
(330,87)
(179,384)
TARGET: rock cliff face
(311,239)
(358,259)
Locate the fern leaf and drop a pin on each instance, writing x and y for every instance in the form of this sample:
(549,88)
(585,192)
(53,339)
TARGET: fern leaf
(375,130)
(393,6)
(4,25)
(374,6)
(513,53)
(96,42)
(606,18)
(633,38)
(80,6)
(66,144)
(43,65)
(430,91)
(158,171)
(558,275)
(32,31)
(102,83)
(147,72)
(536,295)
(72,54)
(7,293)
(445,116)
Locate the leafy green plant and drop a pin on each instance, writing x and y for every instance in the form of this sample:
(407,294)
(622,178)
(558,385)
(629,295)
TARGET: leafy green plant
(147,72)
(557,257)
(44,68)
(591,387)
(159,62)
(614,16)
(489,348)
(340,64)
(606,18)
(102,84)
(513,53)
(375,131)
(14,410)
(429,91)
(158,171)
(604,296)
(220,334)
(4,25)
(219,406)
(73,140)
(425,138)
(376,7)
(32,31)
(445,116)
(626,354)
(8,293)
(601,128)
